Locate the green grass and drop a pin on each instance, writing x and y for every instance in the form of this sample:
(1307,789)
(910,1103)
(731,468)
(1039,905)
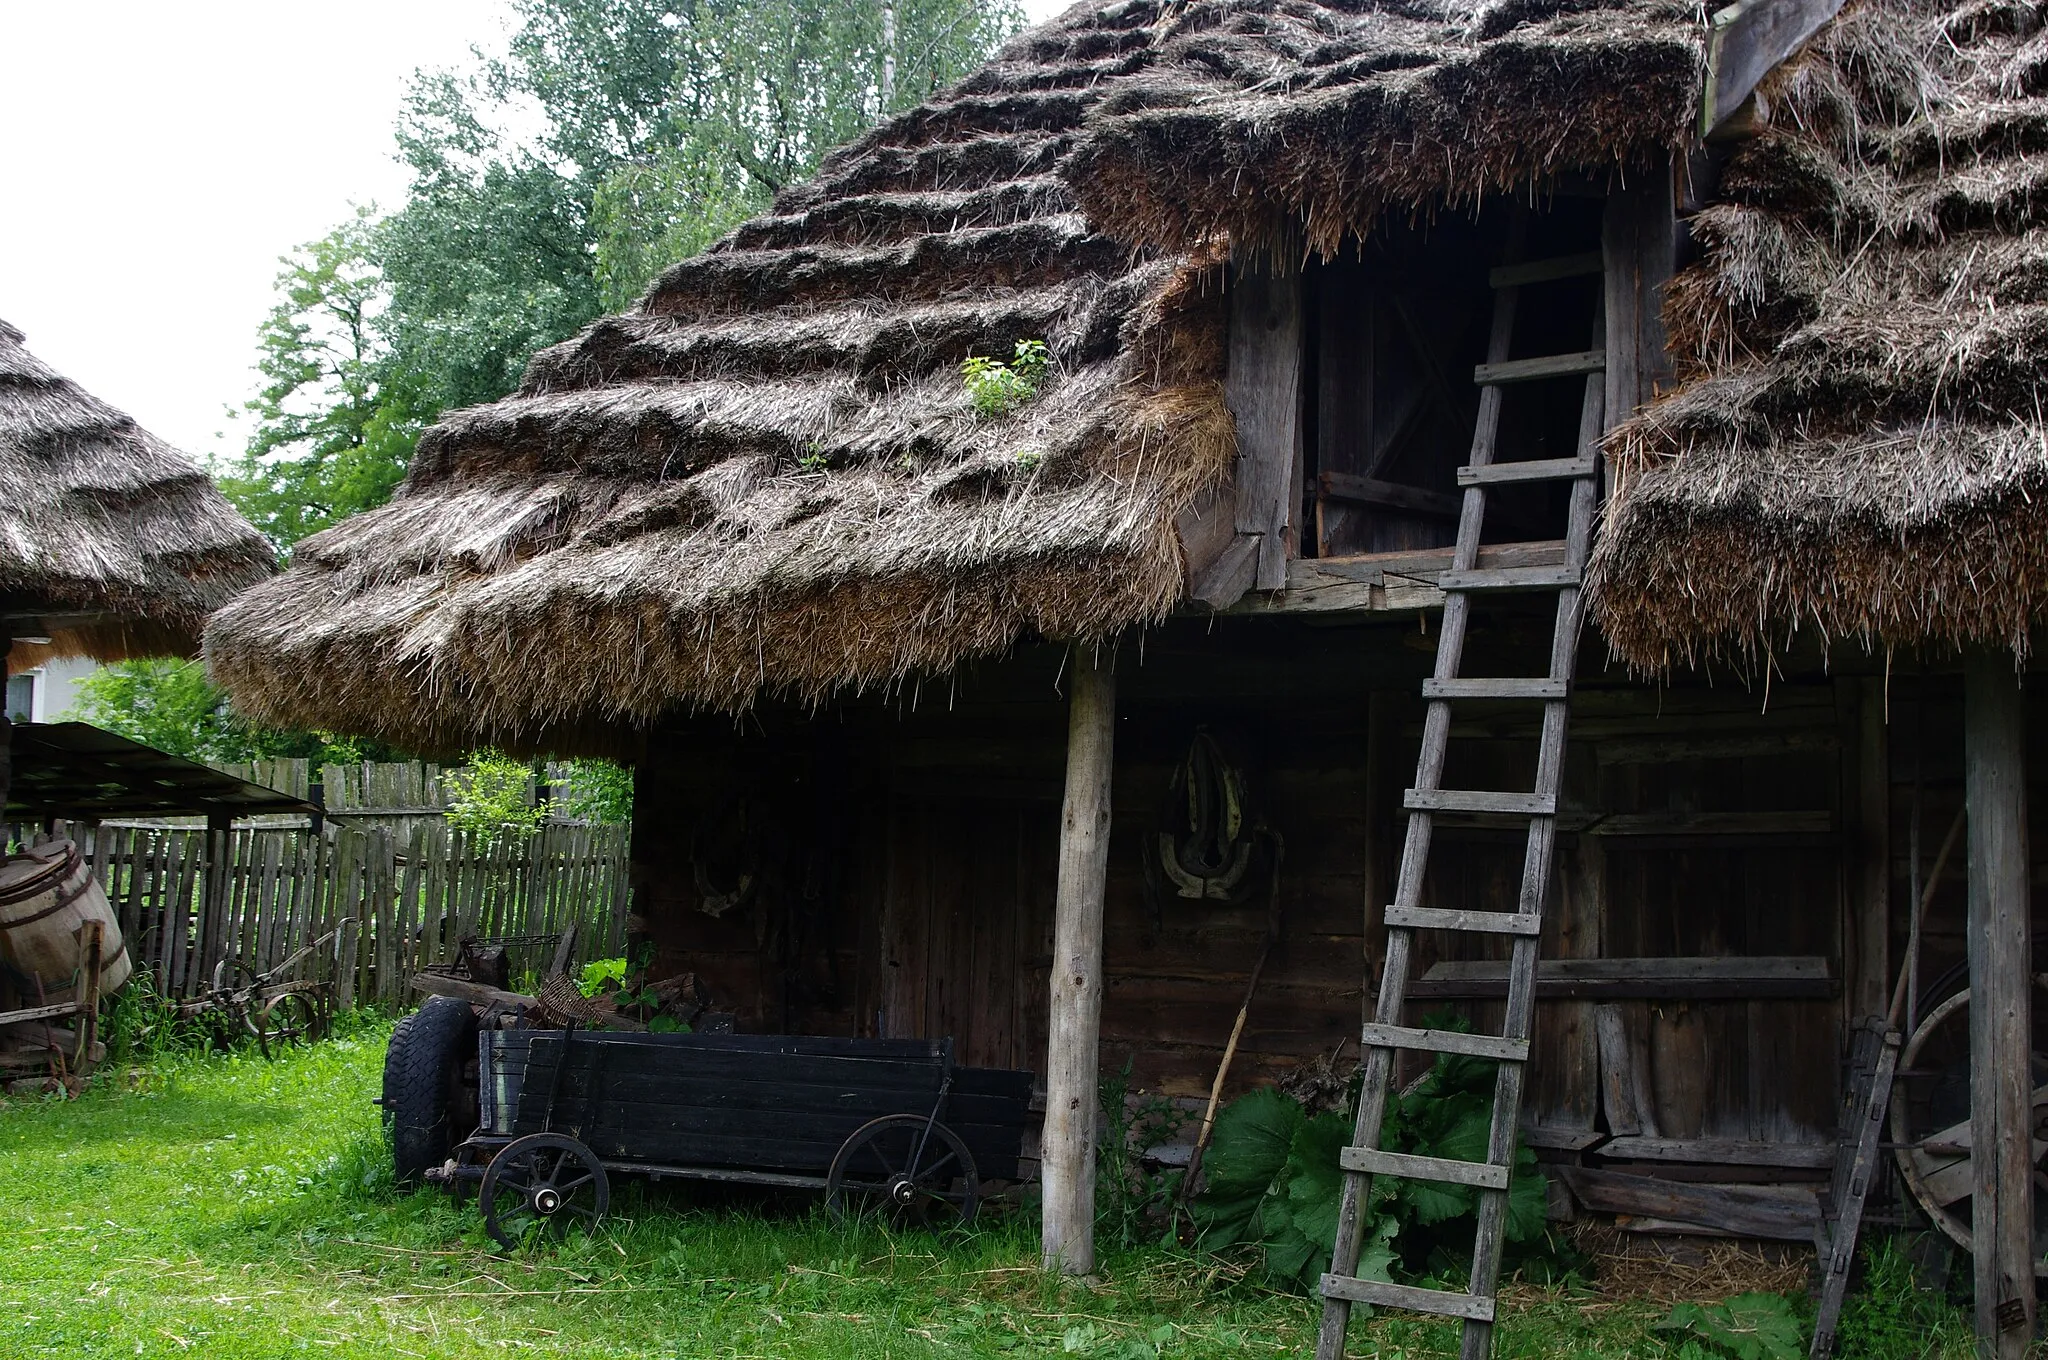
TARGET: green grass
(219,1206)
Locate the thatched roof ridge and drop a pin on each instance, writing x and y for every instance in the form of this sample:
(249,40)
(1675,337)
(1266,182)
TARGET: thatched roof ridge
(1333,113)
(1859,446)
(101,519)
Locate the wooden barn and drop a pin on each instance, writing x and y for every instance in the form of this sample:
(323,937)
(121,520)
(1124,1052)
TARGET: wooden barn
(1375,333)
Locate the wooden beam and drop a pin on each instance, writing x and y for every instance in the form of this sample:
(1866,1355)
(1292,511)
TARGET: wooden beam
(1263,390)
(1072,1051)
(1639,238)
(1346,486)
(1870,982)
(1750,38)
(1749,978)
(2001,1004)
(1783,1212)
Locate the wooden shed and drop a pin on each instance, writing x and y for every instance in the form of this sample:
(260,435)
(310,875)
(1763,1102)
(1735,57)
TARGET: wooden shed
(907,680)
(112,543)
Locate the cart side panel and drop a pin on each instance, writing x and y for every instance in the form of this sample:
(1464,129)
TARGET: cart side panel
(692,1105)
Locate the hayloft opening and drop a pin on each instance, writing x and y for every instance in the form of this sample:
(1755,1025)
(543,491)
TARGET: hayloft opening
(1394,326)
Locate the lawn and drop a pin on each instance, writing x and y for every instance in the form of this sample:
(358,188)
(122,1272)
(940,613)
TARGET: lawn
(224,1207)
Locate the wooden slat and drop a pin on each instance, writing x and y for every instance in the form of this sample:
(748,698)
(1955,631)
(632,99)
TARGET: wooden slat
(1446,1041)
(1510,578)
(1783,1213)
(1535,370)
(1478,1175)
(1546,271)
(1754,978)
(1443,918)
(1532,470)
(1720,1151)
(1479,801)
(1438,1302)
(1345,486)
(1504,687)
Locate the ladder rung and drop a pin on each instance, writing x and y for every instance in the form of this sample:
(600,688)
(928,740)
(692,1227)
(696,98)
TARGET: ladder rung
(1504,687)
(1544,271)
(1477,800)
(1548,366)
(1478,1175)
(1440,1302)
(1446,1041)
(1530,470)
(1444,918)
(1510,578)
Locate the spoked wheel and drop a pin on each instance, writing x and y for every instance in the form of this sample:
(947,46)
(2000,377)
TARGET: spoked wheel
(290,1018)
(1932,1131)
(903,1171)
(545,1181)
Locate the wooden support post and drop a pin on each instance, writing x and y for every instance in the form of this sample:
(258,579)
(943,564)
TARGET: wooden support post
(2002,1214)
(1871,913)
(1263,389)
(90,947)
(1639,238)
(1072,1058)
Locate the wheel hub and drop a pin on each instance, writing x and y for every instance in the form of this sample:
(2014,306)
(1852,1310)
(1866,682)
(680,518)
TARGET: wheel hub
(547,1199)
(903,1190)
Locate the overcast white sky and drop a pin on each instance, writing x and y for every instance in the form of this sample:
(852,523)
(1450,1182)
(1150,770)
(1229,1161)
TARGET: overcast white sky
(158,158)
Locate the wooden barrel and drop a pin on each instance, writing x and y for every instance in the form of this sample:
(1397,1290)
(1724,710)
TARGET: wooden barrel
(46,895)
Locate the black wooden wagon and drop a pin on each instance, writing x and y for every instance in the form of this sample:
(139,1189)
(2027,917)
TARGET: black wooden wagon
(889,1129)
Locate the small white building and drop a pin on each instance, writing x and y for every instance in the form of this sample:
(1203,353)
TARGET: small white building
(46,692)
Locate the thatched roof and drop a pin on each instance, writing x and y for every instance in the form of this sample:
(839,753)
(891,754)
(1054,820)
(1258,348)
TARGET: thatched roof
(116,537)
(1860,450)
(768,478)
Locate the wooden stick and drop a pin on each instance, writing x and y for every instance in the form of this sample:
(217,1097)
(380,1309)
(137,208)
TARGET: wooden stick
(1223,1073)
(1910,966)
(1187,1182)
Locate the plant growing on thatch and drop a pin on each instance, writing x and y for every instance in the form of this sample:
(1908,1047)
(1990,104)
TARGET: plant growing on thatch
(998,388)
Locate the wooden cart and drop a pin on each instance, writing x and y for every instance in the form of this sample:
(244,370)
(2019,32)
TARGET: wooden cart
(891,1130)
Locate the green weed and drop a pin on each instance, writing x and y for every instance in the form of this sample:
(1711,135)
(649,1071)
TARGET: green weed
(997,388)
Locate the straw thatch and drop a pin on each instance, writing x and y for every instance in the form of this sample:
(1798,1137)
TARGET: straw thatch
(117,539)
(768,478)
(1861,449)
(1334,112)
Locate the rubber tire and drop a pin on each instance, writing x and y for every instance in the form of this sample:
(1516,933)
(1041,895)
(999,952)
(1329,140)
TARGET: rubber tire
(421,1070)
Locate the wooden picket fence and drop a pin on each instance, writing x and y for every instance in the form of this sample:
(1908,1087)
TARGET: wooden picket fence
(187,898)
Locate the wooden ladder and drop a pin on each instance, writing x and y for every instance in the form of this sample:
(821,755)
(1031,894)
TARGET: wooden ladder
(1382,1039)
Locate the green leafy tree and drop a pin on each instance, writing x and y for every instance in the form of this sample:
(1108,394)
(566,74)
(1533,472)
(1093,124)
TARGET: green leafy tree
(168,703)
(761,92)
(334,425)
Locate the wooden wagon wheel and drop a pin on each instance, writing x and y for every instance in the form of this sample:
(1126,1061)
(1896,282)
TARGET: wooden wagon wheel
(546,1181)
(903,1170)
(286,1019)
(1936,1166)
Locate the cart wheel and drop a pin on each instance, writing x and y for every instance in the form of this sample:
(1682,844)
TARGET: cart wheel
(903,1170)
(285,1019)
(1932,1145)
(545,1180)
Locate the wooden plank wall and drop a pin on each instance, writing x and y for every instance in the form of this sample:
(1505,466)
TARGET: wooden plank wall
(1702,820)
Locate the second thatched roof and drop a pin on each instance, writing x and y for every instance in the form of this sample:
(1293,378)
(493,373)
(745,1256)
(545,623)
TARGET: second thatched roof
(112,540)
(1858,447)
